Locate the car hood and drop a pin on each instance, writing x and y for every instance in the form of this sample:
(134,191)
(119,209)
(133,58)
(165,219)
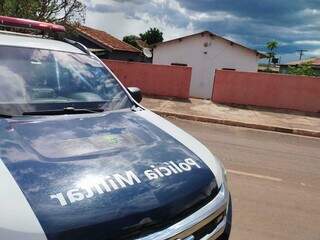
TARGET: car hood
(103,176)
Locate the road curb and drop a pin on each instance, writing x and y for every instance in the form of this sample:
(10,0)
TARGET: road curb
(301,132)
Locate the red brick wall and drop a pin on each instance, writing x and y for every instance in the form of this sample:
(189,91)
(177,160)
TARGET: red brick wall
(161,80)
(267,90)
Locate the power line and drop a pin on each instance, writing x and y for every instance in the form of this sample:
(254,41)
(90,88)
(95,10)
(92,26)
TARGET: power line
(301,51)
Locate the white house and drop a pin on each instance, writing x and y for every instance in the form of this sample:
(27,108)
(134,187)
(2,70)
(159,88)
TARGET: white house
(205,52)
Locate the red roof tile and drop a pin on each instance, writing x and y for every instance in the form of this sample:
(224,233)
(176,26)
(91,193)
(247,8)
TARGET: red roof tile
(312,61)
(317,62)
(106,39)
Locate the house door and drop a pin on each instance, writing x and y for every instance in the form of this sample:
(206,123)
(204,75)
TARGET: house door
(201,82)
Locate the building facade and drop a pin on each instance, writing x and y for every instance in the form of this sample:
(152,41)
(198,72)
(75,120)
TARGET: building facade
(205,52)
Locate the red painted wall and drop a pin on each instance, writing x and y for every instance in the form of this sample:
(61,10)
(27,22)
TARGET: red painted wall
(161,80)
(267,90)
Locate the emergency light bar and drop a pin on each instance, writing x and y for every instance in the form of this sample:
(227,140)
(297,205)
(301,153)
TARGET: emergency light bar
(30,24)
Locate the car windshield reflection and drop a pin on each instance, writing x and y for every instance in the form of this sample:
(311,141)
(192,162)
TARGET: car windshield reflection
(41,80)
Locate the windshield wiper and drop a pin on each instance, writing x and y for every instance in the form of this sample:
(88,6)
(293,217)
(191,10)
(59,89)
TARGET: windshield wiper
(67,110)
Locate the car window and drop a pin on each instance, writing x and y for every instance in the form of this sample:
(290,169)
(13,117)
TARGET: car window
(36,79)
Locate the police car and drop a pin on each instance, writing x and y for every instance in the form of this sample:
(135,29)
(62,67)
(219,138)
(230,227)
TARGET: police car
(80,159)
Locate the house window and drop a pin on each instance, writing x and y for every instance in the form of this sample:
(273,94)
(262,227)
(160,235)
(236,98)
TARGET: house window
(179,64)
(229,69)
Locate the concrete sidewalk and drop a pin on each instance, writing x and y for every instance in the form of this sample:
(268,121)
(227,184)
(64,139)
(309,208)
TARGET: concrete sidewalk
(264,119)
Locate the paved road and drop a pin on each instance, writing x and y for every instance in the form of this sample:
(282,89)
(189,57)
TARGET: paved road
(274,180)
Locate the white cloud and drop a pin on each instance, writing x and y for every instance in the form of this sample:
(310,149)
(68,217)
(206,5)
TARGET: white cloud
(314,53)
(214,16)
(308,42)
(107,22)
(119,23)
(294,24)
(309,11)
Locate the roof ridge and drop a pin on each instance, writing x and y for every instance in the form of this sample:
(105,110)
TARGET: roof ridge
(90,35)
(313,60)
(216,35)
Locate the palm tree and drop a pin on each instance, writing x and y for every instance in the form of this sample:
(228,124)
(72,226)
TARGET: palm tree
(272,46)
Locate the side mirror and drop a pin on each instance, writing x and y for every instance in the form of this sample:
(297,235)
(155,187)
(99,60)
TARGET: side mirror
(135,93)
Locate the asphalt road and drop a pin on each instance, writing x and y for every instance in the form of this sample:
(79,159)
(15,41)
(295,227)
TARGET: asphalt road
(274,180)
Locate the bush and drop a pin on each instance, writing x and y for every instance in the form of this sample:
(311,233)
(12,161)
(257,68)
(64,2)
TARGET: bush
(303,69)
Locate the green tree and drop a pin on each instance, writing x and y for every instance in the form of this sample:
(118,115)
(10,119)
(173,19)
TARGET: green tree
(18,8)
(152,36)
(271,46)
(132,40)
(303,69)
(57,11)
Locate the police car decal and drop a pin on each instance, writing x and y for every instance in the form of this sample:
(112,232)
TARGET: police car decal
(78,193)
(91,185)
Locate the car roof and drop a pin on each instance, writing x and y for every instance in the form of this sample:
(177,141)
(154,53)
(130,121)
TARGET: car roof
(31,41)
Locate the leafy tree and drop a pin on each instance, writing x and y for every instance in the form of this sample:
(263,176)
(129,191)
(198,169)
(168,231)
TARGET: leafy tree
(132,40)
(149,37)
(58,11)
(152,36)
(303,69)
(271,46)
(18,8)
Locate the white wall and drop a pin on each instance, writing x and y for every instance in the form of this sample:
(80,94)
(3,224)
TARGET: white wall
(220,54)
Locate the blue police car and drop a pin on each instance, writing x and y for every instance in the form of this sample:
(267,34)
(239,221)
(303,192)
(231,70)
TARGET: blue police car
(82,160)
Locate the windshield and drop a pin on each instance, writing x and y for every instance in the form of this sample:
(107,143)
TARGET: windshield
(40,80)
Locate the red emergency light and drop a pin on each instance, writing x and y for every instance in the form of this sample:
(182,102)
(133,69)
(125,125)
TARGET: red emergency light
(30,24)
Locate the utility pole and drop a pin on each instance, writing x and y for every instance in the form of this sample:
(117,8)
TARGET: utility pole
(301,51)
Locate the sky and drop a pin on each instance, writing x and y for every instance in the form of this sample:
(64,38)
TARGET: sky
(295,24)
